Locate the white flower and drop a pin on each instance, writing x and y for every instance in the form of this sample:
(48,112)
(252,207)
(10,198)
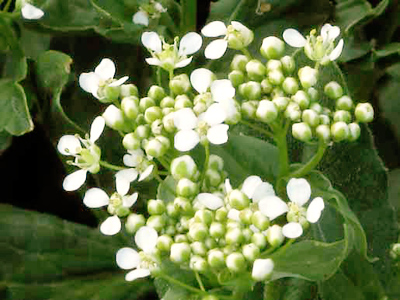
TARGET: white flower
(201,80)
(102,76)
(318,48)
(128,258)
(141,18)
(222,92)
(137,159)
(152,10)
(210,201)
(262,268)
(299,192)
(192,129)
(31,12)
(170,57)
(87,158)
(236,36)
(255,189)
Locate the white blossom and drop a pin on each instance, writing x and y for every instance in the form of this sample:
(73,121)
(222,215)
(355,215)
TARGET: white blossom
(138,160)
(31,12)
(210,201)
(201,80)
(152,10)
(262,268)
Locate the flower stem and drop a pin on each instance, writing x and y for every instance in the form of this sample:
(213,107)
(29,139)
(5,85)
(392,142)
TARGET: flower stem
(189,14)
(164,163)
(247,53)
(344,82)
(198,278)
(205,166)
(281,143)
(110,166)
(181,284)
(159,76)
(312,163)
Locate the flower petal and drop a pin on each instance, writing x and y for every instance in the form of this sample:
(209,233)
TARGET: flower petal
(69,145)
(123,180)
(146,238)
(89,82)
(190,43)
(128,201)
(262,268)
(222,90)
(183,63)
(298,190)
(314,210)
(218,134)
(325,30)
(215,114)
(119,81)
(201,79)
(185,119)
(127,258)
(95,198)
(111,226)
(337,51)
(214,29)
(146,173)
(137,273)
(106,69)
(210,201)
(216,49)
(141,18)
(263,190)
(153,61)
(31,12)
(292,230)
(228,186)
(96,129)
(294,38)
(152,41)
(74,180)
(272,207)
(186,140)
(233,214)
(250,184)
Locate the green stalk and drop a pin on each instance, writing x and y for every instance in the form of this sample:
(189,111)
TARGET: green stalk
(312,163)
(189,14)
(236,11)
(207,158)
(281,143)
(247,53)
(110,166)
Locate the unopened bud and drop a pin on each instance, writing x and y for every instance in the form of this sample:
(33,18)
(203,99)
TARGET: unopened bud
(313,93)
(339,131)
(250,90)
(251,252)
(130,142)
(186,188)
(130,106)
(234,236)
(134,222)
(180,252)
(167,102)
(310,117)
(216,162)
(198,248)
(239,36)
(221,214)
(274,236)
(180,84)
(156,207)
(288,64)
(238,200)
(156,92)
(323,132)
(316,107)
(198,231)
(236,77)
(342,116)
(324,119)
(259,240)
(302,131)
(109,93)
(262,269)
(235,262)
(164,243)
(302,99)
(364,112)
(266,86)
(293,112)
(333,90)
(198,264)
(308,76)
(183,167)
(245,216)
(157,222)
(155,146)
(255,70)
(142,132)
(272,48)
(275,77)
(217,230)
(260,221)
(266,111)
(239,62)
(281,103)
(215,258)
(344,103)
(145,103)
(213,177)
(127,90)
(114,117)
(354,132)
(290,85)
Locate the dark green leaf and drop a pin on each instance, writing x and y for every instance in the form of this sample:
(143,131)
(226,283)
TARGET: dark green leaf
(166,190)
(340,287)
(388,49)
(394,70)
(5,140)
(34,43)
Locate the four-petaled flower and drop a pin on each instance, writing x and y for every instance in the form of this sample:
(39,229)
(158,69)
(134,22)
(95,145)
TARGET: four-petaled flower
(318,48)
(137,159)
(87,158)
(170,57)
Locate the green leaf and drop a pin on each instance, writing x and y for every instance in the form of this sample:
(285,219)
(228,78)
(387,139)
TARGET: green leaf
(14,113)
(44,257)
(5,140)
(34,43)
(388,49)
(340,287)
(394,70)
(394,189)
(166,189)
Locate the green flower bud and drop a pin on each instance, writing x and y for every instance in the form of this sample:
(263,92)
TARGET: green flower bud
(164,243)
(231,224)
(145,103)
(172,210)
(239,62)
(199,108)
(259,240)
(255,70)
(204,216)
(302,131)
(344,103)
(109,93)
(239,36)
(323,132)
(310,117)
(266,111)
(210,243)
(130,142)
(274,236)
(221,214)
(140,119)
(248,109)
(260,221)
(250,90)
(395,250)
(342,116)
(235,262)
(238,200)
(153,113)
(122,211)
(308,76)
(247,234)
(293,112)
(251,252)
(217,230)
(339,131)
(155,147)
(198,248)
(313,93)
(216,162)
(198,264)
(290,85)
(288,64)
(114,118)
(156,92)
(167,102)
(142,132)
(236,77)
(127,90)
(183,204)
(213,178)
(277,92)
(134,222)
(157,222)
(281,103)
(234,236)
(324,119)
(157,127)
(182,101)
(364,112)
(183,167)
(186,188)
(333,90)
(198,232)
(130,107)
(180,252)
(272,48)
(215,258)
(181,238)
(156,207)
(245,215)
(168,123)
(180,84)
(354,132)
(316,107)
(275,77)
(302,99)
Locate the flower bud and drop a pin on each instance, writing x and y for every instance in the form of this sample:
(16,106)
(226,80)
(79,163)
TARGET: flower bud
(266,86)
(221,214)
(260,220)
(302,99)
(342,116)
(142,132)
(354,132)
(168,123)
(275,77)
(239,36)
(157,222)
(182,101)
(130,142)
(323,132)
(245,216)
(235,262)
(234,236)
(262,269)
(281,103)
(172,210)
(127,90)
(198,232)
(236,77)
(215,258)
(293,112)
(167,102)
(145,103)
(251,252)
(183,204)
(152,113)
(310,117)
(316,107)
(198,264)
(156,207)
(313,93)
(364,112)
(204,216)
(217,230)
(266,111)
(216,162)
(109,93)
(134,222)
(210,243)
(114,117)
(324,119)
(180,252)
(164,243)
(198,248)
(239,62)
(290,85)
(333,90)
(308,76)
(156,92)
(302,131)
(180,84)
(395,250)
(213,177)
(339,131)
(130,106)
(255,70)
(183,167)
(288,64)
(186,188)
(259,240)
(274,236)
(250,90)
(344,103)
(272,48)
(155,146)
(238,200)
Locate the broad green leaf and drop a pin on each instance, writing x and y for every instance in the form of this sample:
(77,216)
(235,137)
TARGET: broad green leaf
(394,70)
(340,287)
(354,48)
(44,257)
(14,114)
(166,189)
(388,49)
(5,140)
(34,43)
(299,289)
